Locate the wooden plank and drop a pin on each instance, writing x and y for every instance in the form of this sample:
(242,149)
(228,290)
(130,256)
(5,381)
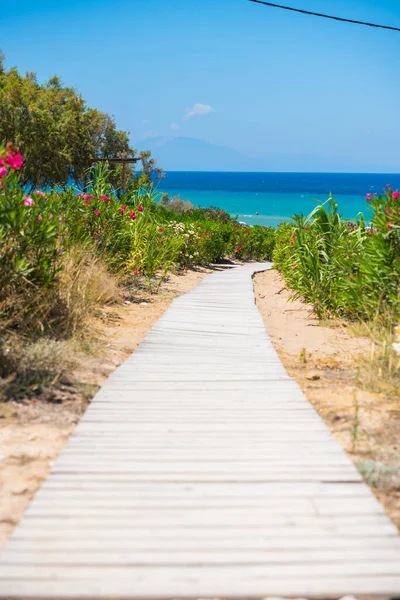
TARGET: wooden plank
(218,583)
(388,568)
(196,558)
(116,540)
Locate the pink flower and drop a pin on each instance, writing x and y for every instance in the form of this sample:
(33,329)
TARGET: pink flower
(122,209)
(14,161)
(59,252)
(97,212)
(161,229)
(132,215)
(140,208)
(40,193)
(395,195)
(292,243)
(136,273)
(389,225)
(104,198)
(3,171)
(28,201)
(79,195)
(86,203)
(39,218)
(18,162)
(50,215)
(88,196)
(60,218)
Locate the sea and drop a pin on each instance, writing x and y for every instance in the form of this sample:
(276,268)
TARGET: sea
(272,198)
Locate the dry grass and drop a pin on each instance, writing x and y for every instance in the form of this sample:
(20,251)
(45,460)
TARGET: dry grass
(30,368)
(64,309)
(84,286)
(41,332)
(379,369)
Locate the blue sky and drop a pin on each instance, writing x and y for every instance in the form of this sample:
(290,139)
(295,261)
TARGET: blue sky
(317,94)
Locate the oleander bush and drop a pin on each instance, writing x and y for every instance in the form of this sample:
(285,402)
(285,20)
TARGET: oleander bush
(345,269)
(57,246)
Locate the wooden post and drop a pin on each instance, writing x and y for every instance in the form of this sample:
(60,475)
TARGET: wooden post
(124,177)
(119,161)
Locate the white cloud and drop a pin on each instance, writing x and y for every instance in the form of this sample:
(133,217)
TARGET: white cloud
(197,110)
(175,126)
(150,134)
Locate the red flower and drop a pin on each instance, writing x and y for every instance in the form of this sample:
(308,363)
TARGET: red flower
(132,215)
(292,243)
(136,273)
(122,209)
(294,265)
(161,229)
(97,212)
(389,225)
(104,198)
(140,208)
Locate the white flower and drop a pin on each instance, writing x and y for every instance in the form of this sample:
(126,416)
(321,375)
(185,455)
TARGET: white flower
(396,347)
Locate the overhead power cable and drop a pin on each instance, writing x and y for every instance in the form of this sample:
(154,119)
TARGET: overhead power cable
(315,14)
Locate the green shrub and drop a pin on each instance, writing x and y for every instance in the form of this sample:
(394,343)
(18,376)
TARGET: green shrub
(342,268)
(52,244)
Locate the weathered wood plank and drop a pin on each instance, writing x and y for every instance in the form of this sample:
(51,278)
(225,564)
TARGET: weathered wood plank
(151,584)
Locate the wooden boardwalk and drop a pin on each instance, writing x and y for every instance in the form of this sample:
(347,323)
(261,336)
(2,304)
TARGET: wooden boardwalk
(200,470)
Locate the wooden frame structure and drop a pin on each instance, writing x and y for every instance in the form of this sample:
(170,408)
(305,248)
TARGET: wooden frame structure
(123,162)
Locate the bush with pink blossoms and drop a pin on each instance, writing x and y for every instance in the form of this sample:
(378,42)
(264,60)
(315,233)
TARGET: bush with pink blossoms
(39,230)
(28,237)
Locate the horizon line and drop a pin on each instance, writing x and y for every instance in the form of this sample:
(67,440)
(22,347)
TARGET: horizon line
(286,172)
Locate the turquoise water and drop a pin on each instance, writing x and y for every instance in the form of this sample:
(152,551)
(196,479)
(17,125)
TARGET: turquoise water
(276,196)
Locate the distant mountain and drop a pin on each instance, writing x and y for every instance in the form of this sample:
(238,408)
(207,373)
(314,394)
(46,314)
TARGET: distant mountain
(192,154)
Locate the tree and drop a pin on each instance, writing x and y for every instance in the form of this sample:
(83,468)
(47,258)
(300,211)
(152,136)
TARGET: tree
(57,133)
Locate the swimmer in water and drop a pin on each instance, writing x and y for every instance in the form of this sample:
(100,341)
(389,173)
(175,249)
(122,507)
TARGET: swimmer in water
(256,214)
